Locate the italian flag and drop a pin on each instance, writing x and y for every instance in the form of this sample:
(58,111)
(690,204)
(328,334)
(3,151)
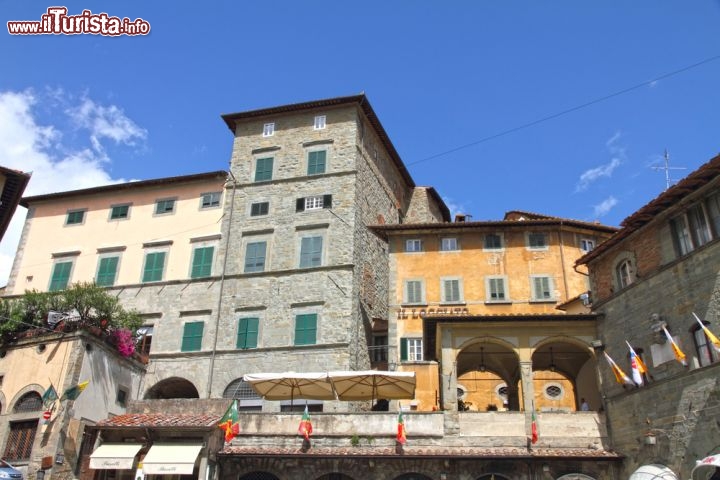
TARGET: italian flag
(534,429)
(230,422)
(305,428)
(401,433)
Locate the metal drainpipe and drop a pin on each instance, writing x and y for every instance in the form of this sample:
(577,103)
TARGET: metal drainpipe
(562,262)
(222,284)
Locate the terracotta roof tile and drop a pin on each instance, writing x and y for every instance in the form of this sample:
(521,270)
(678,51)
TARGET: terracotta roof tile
(156,420)
(429,451)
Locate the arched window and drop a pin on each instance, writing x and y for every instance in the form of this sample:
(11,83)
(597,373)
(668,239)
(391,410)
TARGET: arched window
(242,391)
(30,402)
(624,273)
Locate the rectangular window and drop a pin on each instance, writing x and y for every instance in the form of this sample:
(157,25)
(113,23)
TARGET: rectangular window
(164,206)
(121,397)
(260,208)
(496,289)
(705,349)
(202,262)
(713,204)
(379,349)
(75,217)
(269,129)
(587,245)
(20,440)
(107,270)
(699,226)
(119,212)
(316,202)
(144,334)
(192,336)
(247,333)
(493,241)
(319,122)
(60,276)
(413,245)
(311,252)
(154,266)
(413,291)
(681,235)
(451,291)
(542,288)
(255,257)
(306,329)
(263,169)
(210,200)
(411,349)
(537,241)
(316,162)
(449,244)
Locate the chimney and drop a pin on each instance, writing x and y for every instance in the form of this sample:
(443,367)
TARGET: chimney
(460,217)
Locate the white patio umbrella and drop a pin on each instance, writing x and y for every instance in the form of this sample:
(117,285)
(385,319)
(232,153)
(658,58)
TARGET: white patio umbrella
(373,384)
(291,385)
(705,468)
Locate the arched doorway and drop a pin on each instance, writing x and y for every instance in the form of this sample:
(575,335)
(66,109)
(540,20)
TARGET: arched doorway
(174,387)
(259,476)
(564,372)
(487,377)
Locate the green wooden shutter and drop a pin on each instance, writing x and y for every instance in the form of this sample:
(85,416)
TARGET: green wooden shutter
(316,162)
(60,276)
(306,329)
(192,336)
(202,262)
(403,349)
(263,169)
(154,266)
(255,257)
(106,272)
(311,252)
(247,333)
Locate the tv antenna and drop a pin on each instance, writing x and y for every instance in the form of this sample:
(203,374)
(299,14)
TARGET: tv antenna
(667,169)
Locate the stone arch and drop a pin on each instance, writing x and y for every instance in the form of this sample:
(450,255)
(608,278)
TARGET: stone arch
(173,387)
(259,476)
(569,366)
(575,476)
(33,387)
(483,364)
(412,476)
(30,402)
(3,403)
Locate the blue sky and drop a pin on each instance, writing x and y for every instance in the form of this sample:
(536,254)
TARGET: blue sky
(85,110)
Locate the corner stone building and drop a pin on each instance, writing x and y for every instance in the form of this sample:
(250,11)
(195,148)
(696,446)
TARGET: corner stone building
(658,270)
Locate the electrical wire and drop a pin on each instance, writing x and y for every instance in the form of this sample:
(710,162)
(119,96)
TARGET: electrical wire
(565,112)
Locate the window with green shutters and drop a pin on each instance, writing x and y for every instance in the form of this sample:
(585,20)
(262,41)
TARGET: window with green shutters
(165,206)
(107,269)
(60,276)
(316,162)
(247,332)
(119,212)
(306,329)
(451,291)
(255,257)
(411,349)
(311,252)
(202,262)
(263,169)
(154,266)
(75,217)
(192,337)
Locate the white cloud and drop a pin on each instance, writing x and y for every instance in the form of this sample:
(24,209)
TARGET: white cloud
(618,156)
(29,146)
(604,207)
(454,208)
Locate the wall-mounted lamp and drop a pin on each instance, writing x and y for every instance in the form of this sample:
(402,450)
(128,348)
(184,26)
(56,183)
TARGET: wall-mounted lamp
(597,345)
(552,362)
(650,439)
(482,360)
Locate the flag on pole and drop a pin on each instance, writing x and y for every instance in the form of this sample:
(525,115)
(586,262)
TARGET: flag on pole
(49,396)
(305,428)
(73,392)
(679,355)
(637,365)
(401,432)
(709,334)
(534,428)
(230,422)
(620,376)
